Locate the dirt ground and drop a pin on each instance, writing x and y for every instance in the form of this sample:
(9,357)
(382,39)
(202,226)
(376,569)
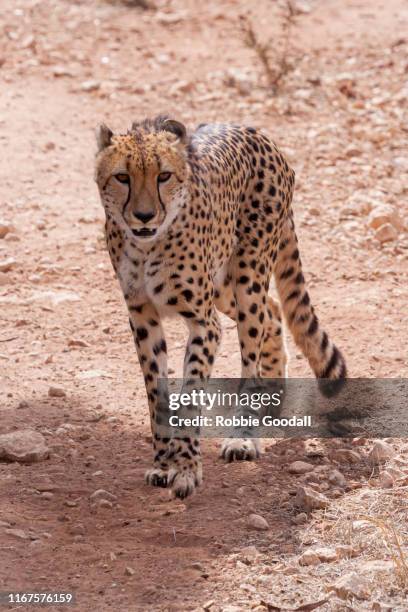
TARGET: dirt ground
(339,116)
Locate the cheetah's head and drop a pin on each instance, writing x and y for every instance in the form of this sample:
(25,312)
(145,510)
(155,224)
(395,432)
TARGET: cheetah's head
(141,175)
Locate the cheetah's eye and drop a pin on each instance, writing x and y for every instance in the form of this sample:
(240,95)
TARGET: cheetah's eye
(122,178)
(163,177)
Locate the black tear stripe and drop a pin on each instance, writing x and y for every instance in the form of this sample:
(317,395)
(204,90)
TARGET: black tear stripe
(160,200)
(127,200)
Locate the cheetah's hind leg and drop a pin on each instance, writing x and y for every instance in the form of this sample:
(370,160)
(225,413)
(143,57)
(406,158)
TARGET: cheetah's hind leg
(273,364)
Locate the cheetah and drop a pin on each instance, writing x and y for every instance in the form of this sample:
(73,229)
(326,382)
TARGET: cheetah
(198,223)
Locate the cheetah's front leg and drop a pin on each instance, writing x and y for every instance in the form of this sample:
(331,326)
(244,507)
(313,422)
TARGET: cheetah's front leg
(204,338)
(152,352)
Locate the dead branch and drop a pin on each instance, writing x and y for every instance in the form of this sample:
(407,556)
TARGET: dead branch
(274,68)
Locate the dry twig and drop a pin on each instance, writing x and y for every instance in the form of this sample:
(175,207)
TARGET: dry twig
(274,69)
(143,4)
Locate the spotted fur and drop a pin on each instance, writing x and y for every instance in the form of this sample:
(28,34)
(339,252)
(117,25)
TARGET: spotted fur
(199,223)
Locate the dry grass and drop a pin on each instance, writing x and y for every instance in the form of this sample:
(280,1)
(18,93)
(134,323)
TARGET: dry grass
(392,540)
(273,57)
(385,536)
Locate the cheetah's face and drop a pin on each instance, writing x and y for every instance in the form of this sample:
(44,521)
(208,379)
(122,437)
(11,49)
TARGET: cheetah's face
(141,178)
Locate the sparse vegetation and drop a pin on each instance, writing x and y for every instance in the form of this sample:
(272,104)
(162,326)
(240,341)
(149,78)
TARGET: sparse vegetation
(272,55)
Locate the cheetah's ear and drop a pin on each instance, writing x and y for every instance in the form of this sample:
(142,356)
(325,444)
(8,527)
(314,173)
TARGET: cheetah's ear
(177,128)
(103,137)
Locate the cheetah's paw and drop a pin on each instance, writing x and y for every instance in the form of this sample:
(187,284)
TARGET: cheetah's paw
(184,482)
(156,477)
(236,449)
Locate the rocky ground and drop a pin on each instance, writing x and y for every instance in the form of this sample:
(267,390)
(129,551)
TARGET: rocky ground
(317,524)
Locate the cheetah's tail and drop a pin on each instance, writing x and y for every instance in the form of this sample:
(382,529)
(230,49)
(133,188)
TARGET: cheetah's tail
(324,357)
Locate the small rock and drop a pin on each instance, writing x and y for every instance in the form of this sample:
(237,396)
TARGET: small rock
(70,503)
(7,264)
(181,86)
(395,472)
(352,585)
(77,529)
(12,237)
(93,374)
(315,556)
(102,494)
(77,342)
(56,392)
(345,551)
(358,205)
(314,448)
(170,18)
(386,481)
(385,214)
(90,85)
(105,503)
(78,538)
(309,557)
(353,151)
(44,483)
(380,453)
(60,71)
(41,224)
(163,58)
(301,7)
(362,526)
(47,495)
(25,446)
(300,519)
(326,554)
(308,499)
(22,405)
(386,233)
(249,554)
(88,219)
(337,478)
(5,228)
(18,533)
(345,455)
(256,521)
(198,566)
(238,79)
(129,571)
(54,298)
(300,467)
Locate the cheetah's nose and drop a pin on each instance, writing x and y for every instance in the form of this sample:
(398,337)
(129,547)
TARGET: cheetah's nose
(143,217)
